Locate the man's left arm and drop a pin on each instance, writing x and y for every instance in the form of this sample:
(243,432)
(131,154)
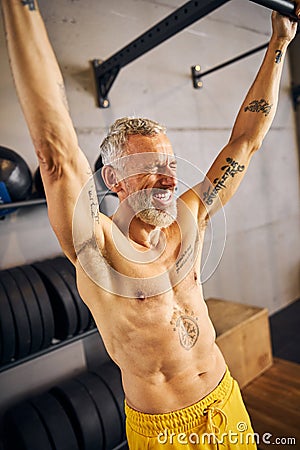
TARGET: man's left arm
(253,122)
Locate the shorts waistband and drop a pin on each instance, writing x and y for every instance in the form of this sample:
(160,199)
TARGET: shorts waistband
(182,420)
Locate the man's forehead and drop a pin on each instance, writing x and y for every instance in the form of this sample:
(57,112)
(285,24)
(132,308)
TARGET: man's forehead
(158,143)
(146,158)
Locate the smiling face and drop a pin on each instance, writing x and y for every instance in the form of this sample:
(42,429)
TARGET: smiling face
(150,179)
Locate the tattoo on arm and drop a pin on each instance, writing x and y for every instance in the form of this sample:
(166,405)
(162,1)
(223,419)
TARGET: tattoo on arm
(278,57)
(230,170)
(63,95)
(259,106)
(94,205)
(184,257)
(30,4)
(185,323)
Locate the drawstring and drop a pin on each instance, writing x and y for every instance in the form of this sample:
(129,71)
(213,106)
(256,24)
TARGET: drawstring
(211,411)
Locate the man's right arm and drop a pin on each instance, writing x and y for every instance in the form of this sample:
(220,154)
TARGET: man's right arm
(40,88)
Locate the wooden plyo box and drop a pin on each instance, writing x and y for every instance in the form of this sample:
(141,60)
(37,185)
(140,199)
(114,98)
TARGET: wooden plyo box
(243,335)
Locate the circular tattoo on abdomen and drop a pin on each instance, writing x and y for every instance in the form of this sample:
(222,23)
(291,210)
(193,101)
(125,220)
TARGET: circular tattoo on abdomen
(188,331)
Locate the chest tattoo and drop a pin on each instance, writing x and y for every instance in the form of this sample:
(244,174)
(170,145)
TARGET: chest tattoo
(185,323)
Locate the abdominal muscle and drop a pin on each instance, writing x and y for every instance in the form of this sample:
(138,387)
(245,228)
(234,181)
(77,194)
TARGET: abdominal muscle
(159,372)
(158,394)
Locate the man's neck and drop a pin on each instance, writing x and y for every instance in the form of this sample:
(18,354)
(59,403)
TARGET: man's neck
(135,229)
(144,234)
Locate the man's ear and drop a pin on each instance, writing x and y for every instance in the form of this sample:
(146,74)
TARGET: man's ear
(110,178)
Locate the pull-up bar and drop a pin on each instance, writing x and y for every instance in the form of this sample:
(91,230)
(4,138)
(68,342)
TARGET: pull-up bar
(106,72)
(285,7)
(197,75)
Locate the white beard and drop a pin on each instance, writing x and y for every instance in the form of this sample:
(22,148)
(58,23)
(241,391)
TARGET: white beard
(141,203)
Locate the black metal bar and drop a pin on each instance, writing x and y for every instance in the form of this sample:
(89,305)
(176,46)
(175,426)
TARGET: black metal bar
(122,446)
(196,70)
(106,72)
(42,201)
(24,203)
(285,7)
(47,350)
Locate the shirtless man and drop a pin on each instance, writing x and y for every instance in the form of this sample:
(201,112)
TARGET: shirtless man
(139,271)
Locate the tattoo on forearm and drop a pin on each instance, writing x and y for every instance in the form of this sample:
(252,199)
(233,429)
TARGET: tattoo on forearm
(278,57)
(30,4)
(231,169)
(259,106)
(63,95)
(185,323)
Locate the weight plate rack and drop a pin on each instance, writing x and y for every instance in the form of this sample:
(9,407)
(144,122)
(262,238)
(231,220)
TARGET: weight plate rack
(81,413)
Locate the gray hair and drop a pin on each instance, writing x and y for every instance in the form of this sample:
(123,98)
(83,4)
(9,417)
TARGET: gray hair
(113,145)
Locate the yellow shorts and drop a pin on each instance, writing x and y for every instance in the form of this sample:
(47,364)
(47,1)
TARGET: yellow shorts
(218,421)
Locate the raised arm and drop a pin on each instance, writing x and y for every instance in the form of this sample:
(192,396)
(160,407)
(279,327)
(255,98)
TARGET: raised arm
(253,122)
(41,92)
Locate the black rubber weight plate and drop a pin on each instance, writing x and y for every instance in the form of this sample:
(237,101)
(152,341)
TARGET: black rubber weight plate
(59,264)
(56,422)
(32,308)
(65,314)
(23,429)
(111,375)
(21,320)
(82,413)
(43,303)
(107,409)
(7,329)
(69,266)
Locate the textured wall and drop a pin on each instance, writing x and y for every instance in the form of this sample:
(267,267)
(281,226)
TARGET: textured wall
(260,264)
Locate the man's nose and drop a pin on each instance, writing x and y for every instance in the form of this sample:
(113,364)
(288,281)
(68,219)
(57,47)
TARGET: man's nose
(168,177)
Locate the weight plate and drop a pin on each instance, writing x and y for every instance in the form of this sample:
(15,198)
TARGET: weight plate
(32,308)
(43,303)
(69,266)
(107,409)
(110,373)
(65,315)
(21,320)
(82,413)
(56,422)
(7,329)
(61,268)
(23,429)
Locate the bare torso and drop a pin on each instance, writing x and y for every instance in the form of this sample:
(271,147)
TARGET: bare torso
(153,318)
